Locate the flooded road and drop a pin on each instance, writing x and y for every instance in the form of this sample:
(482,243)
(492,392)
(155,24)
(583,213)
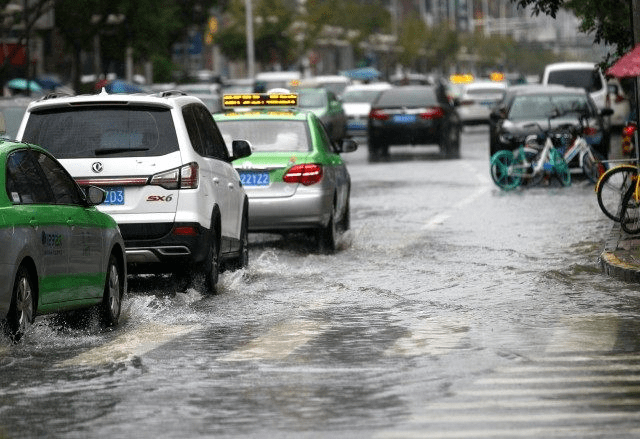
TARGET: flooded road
(451,310)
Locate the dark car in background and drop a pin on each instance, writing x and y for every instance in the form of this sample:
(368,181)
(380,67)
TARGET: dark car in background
(530,109)
(413,115)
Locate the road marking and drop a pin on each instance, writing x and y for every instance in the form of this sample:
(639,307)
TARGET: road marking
(528,417)
(541,432)
(586,333)
(278,343)
(559,379)
(129,345)
(531,404)
(549,392)
(431,337)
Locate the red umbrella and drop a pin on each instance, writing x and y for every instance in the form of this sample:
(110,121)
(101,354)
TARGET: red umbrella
(628,65)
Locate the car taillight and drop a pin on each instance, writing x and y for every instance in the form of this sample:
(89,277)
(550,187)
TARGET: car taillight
(589,131)
(184,177)
(619,98)
(378,115)
(466,102)
(307,174)
(185,231)
(432,113)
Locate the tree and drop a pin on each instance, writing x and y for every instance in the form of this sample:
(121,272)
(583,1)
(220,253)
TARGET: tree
(609,21)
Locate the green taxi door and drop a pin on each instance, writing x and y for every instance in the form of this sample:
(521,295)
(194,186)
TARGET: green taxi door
(37,221)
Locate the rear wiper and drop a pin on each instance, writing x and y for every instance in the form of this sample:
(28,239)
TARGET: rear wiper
(107,151)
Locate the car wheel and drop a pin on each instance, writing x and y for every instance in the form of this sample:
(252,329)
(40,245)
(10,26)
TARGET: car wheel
(212,265)
(376,148)
(327,236)
(22,308)
(450,143)
(242,260)
(345,222)
(113,292)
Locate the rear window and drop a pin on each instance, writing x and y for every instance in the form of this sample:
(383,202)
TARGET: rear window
(407,97)
(89,132)
(360,96)
(267,135)
(588,79)
(530,107)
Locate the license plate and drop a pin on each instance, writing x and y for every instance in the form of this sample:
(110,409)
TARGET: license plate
(404,118)
(487,103)
(254,178)
(115,196)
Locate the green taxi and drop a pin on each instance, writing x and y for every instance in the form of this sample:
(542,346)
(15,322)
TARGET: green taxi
(59,253)
(295,177)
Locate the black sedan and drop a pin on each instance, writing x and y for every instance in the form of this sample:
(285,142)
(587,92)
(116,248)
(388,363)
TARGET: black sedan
(413,115)
(527,110)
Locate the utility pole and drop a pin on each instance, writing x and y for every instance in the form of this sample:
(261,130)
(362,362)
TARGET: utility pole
(251,68)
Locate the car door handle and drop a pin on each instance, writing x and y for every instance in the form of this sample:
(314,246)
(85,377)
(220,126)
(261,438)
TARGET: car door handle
(33,222)
(231,186)
(216,180)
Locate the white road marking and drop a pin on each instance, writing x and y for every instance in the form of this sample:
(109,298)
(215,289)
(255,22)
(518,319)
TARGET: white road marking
(585,333)
(129,345)
(431,337)
(536,433)
(278,343)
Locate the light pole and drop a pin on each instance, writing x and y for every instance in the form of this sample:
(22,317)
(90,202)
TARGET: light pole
(251,69)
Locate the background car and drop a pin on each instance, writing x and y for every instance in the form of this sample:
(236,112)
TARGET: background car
(413,115)
(295,178)
(619,103)
(171,186)
(356,102)
(530,109)
(333,83)
(324,104)
(477,100)
(58,251)
(585,75)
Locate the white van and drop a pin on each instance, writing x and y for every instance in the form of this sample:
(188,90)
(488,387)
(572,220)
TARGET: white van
(584,75)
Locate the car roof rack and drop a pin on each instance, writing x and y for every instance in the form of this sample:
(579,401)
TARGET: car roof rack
(54,95)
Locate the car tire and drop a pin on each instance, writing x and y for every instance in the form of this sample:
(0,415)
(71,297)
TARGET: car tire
(450,143)
(22,309)
(345,222)
(327,236)
(211,266)
(113,292)
(376,149)
(242,261)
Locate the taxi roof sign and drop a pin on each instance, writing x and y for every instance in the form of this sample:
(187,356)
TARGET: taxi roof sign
(260,100)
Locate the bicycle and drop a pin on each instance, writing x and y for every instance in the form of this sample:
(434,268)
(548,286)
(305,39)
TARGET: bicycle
(611,188)
(581,155)
(531,162)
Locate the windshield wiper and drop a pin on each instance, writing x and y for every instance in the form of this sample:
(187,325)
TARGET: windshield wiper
(107,151)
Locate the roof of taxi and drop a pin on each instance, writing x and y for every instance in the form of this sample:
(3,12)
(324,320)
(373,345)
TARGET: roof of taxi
(264,114)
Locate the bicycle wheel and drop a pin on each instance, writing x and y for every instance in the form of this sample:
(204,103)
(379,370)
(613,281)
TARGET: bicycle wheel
(612,187)
(592,166)
(630,211)
(503,172)
(560,167)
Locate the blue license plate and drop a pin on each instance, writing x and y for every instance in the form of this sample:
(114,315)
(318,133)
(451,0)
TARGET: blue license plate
(404,118)
(254,178)
(115,196)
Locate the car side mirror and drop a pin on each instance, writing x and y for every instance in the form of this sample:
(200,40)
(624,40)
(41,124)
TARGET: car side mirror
(94,195)
(348,145)
(241,149)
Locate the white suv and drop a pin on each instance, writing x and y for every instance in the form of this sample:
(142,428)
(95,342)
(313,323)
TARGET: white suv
(170,183)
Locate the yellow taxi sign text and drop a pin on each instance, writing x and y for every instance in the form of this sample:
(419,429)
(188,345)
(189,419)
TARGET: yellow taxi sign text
(260,100)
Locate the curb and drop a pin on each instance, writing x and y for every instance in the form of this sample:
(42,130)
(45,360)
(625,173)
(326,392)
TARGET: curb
(616,259)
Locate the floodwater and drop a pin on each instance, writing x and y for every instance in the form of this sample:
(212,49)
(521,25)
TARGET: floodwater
(451,309)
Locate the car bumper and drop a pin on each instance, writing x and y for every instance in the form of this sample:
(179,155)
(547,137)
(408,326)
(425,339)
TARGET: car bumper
(304,210)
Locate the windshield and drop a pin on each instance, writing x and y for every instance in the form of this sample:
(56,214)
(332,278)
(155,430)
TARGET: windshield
(587,79)
(267,135)
(311,99)
(360,96)
(542,106)
(100,131)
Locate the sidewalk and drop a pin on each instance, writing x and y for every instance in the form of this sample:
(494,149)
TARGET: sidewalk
(621,255)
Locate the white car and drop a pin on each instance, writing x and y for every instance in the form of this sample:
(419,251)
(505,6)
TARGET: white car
(356,102)
(477,100)
(170,183)
(619,103)
(584,75)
